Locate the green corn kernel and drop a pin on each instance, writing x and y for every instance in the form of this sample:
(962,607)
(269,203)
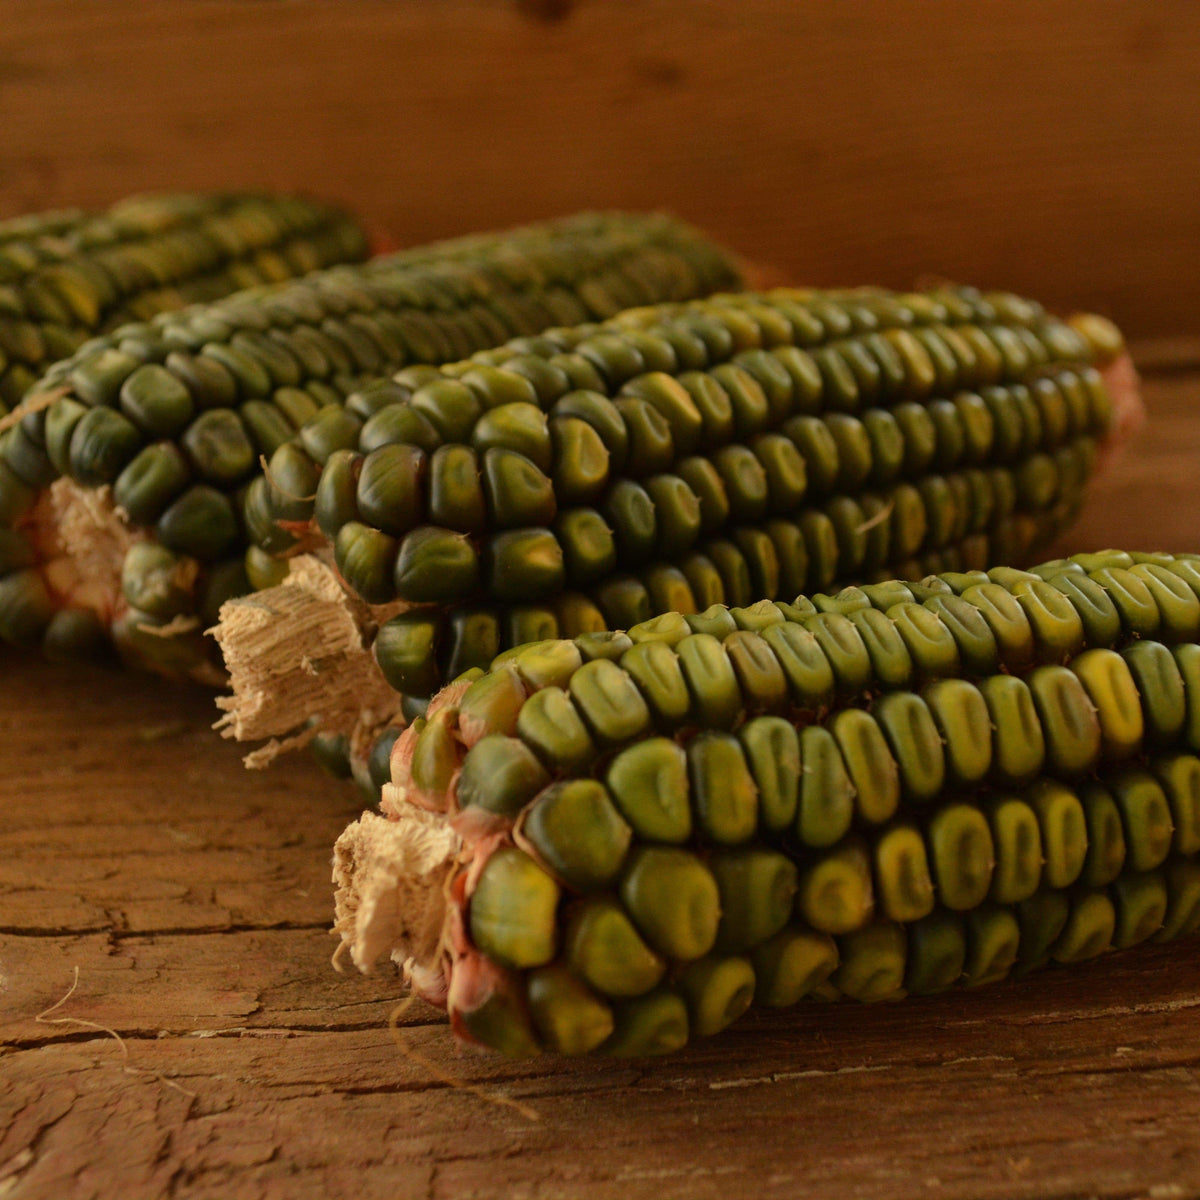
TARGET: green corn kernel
(835,894)
(673,900)
(551,727)
(649,784)
(581,462)
(1178,605)
(1069,721)
(930,644)
(609,645)
(1008,623)
(1100,617)
(61,418)
(609,701)
(520,427)
(871,962)
(724,796)
(1089,928)
(576,831)
(1017,841)
(1064,831)
(517,492)
(201,522)
(772,749)
(1018,744)
(337,489)
(1041,918)
(404,649)
(1179,777)
(1140,902)
(102,443)
(523,564)
(545,664)
(757,888)
(809,672)
(978,651)
(390,491)
(711,681)
(1183,898)
(569,1018)
(1133,600)
(759,675)
(826,800)
(603,948)
(960,714)
(791,965)
(1057,628)
(655,669)
(158,403)
(649,1025)
(435,564)
(1106,849)
(1145,815)
(903,887)
(26,607)
(456,498)
(873,772)
(844,649)
(1156,680)
(963,856)
(436,755)
(501,775)
(891,662)
(937,953)
(1114,693)
(366,558)
(915,743)
(512,910)
(76,635)
(993,943)
(156,581)
(717,991)
(492,704)
(450,406)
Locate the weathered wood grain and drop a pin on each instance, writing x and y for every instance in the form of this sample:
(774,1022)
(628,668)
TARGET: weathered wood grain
(193,899)
(1049,147)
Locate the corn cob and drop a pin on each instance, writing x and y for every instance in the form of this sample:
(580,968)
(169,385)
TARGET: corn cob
(67,276)
(620,842)
(174,414)
(32,227)
(732,448)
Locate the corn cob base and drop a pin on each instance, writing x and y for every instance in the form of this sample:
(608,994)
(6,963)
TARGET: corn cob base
(621,842)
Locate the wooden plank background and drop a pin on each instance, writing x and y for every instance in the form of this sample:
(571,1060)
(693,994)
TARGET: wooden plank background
(1050,147)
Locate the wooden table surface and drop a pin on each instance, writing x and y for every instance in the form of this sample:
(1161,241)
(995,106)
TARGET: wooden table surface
(209,1049)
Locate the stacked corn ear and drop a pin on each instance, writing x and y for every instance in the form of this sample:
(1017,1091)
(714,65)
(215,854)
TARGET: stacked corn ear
(31,227)
(174,414)
(65,276)
(629,838)
(752,445)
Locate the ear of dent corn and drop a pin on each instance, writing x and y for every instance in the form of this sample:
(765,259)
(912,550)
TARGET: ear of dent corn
(174,414)
(720,451)
(66,276)
(896,789)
